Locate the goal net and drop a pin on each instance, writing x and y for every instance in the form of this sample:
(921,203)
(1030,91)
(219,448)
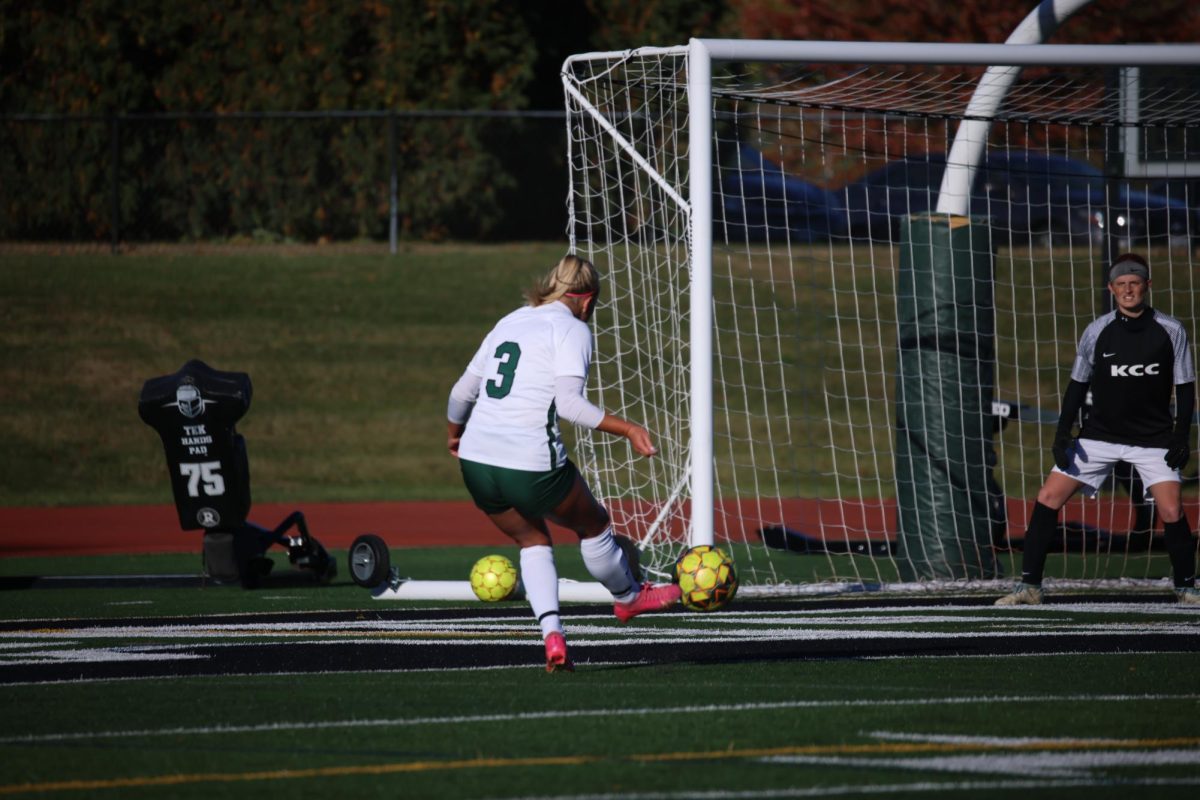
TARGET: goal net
(765,237)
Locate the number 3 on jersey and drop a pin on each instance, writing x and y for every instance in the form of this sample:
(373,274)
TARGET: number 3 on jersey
(508,354)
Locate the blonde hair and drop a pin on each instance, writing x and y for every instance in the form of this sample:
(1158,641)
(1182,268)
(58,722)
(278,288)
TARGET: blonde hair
(571,275)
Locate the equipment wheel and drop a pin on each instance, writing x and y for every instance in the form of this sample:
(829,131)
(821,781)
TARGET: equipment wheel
(369,560)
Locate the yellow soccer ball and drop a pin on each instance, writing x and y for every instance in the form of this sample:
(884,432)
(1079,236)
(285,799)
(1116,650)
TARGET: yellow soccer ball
(707,580)
(493,578)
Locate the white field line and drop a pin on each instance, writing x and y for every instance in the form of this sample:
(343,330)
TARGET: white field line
(273,675)
(637,662)
(167,651)
(96,655)
(527,716)
(871,616)
(613,635)
(1168,606)
(25,645)
(868,790)
(928,619)
(1040,765)
(666,630)
(1023,613)
(49,646)
(983,741)
(1054,654)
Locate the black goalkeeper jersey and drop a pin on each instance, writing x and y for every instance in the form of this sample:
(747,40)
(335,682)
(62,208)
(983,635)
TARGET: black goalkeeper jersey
(1133,365)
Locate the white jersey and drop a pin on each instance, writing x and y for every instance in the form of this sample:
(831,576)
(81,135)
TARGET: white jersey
(514,423)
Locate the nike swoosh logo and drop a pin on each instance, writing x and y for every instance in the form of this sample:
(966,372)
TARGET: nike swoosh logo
(1109,355)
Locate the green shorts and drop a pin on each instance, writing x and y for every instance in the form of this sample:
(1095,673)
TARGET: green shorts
(534,494)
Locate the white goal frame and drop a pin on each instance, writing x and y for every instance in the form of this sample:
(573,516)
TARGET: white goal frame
(701,55)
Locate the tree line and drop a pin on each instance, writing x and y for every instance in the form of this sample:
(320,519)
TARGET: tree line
(175,120)
(149,115)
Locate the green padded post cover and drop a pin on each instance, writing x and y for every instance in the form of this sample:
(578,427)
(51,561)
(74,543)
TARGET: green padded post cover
(944,386)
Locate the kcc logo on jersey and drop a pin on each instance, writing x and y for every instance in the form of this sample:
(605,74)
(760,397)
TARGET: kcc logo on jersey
(1133,370)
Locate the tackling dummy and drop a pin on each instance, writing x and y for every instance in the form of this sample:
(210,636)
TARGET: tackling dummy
(194,412)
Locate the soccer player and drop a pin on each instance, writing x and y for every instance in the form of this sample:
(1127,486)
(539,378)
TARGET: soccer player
(1133,358)
(529,372)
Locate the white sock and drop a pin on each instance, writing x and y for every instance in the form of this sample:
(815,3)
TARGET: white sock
(606,561)
(540,579)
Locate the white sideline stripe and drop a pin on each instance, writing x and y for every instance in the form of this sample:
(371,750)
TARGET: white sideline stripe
(42,646)
(924,619)
(668,632)
(867,789)
(589,663)
(1044,765)
(309,674)
(172,651)
(997,741)
(1054,654)
(602,712)
(1018,612)
(33,643)
(96,655)
(1167,607)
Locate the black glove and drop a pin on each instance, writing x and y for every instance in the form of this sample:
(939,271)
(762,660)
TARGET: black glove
(1062,450)
(1178,451)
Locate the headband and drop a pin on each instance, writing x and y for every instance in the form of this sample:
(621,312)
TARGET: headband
(1129,264)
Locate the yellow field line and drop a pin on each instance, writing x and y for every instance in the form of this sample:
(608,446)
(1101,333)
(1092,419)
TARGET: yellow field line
(890,748)
(283,774)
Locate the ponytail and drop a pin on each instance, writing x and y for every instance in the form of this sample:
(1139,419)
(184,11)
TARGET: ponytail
(572,275)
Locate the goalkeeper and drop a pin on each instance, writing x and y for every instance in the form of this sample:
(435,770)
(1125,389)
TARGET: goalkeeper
(1134,359)
(529,371)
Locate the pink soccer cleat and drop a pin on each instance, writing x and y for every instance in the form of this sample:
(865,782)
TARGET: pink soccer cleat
(651,598)
(557,659)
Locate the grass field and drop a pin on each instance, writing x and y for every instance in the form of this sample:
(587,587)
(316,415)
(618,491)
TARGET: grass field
(318,692)
(135,688)
(351,354)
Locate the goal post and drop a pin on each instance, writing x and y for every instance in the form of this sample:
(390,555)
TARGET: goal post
(731,193)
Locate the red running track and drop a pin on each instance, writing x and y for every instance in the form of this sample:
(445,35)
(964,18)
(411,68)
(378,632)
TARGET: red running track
(99,530)
(103,530)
